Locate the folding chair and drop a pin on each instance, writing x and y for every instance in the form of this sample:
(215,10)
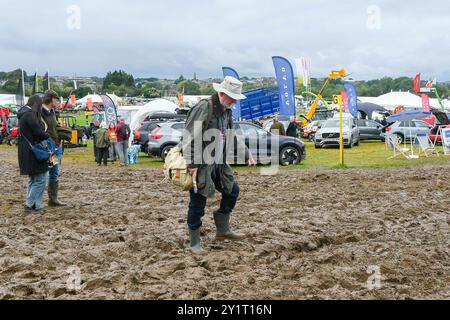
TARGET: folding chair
(394,142)
(426,147)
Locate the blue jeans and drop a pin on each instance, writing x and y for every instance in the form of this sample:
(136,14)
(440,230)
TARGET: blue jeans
(55,171)
(122,150)
(197,205)
(36,189)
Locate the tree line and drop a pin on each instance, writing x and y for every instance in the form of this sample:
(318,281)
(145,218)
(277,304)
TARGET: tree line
(124,84)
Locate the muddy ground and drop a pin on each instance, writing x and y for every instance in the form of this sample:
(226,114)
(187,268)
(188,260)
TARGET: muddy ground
(311,235)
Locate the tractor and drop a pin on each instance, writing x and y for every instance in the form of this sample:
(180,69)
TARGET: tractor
(78,132)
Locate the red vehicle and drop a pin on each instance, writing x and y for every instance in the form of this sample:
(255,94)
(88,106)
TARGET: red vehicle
(310,130)
(441,120)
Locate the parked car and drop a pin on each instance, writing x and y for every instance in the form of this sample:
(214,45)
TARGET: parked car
(370,130)
(436,135)
(309,132)
(329,134)
(141,135)
(291,150)
(407,129)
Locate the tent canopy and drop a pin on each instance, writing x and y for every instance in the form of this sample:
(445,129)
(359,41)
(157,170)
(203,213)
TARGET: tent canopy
(157,105)
(7,99)
(409,116)
(368,108)
(94,97)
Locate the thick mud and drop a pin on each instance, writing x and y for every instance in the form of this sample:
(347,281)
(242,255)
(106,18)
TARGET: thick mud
(312,234)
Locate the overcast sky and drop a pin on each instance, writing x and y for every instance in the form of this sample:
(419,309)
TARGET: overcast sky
(370,39)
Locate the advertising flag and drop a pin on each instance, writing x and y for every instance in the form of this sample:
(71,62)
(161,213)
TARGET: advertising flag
(303,71)
(110,109)
(352,98)
(90,105)
(426,103)
(236,108)
(35,84)
(417,83)
(46,82)
(345,101)
(286,85)
(20,94)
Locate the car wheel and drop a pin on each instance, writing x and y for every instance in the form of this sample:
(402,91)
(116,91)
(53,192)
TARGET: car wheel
(290,156)
(350,145)
(164,152)
(317,146)
(401,138)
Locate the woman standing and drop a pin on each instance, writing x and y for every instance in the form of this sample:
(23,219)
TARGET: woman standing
(113,155)
(32,128)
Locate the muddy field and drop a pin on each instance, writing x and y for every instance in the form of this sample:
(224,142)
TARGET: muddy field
(311,235)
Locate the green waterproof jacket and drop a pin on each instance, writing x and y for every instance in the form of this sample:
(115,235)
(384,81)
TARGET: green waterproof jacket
(210,114)
(102,138)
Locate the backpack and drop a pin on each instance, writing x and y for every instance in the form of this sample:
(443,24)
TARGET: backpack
(124,132)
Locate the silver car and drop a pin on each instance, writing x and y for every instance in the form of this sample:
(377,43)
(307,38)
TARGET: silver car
(329,134)
(408,129)
(164,137)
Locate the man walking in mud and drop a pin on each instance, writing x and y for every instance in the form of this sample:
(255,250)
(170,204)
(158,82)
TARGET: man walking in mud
(211,116)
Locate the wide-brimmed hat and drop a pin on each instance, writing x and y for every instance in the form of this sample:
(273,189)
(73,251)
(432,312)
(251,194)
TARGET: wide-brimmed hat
(232,87)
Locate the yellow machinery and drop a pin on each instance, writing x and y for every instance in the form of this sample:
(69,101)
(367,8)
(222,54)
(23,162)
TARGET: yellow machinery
(333,75)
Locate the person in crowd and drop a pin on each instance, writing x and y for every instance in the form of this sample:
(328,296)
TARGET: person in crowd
(102,144)
(212,114)
(95,125)
(277,127)
(50,100)
(32,130)
(123,134)
(260,122)
(292,128)
(112,133)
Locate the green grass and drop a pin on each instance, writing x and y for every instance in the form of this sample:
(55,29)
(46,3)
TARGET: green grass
(370,154)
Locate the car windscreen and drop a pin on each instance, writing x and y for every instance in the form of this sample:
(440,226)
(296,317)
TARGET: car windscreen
(334,124)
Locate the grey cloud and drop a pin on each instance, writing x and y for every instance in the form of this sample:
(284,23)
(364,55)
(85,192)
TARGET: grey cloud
(173,37)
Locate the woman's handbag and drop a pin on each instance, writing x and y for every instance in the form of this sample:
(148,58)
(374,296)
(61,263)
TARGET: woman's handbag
(42,150)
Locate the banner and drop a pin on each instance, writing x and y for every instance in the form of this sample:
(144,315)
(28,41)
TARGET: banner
(352,99)
(46,82)
(286,85)
(89,104)
(20,94)
(236,108)
(446,141)
(426,103)
(345,101)
(417,83)
(180,99)
(110,109)
(35,84)
(303,71)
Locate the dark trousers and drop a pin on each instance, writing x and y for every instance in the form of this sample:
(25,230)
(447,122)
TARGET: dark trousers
(102,155)
(197,205)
